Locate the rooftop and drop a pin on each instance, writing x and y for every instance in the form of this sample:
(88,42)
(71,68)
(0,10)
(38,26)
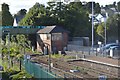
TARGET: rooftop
(52,29)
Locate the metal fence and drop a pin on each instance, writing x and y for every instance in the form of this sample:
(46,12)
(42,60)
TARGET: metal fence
(38,71)
(86,50)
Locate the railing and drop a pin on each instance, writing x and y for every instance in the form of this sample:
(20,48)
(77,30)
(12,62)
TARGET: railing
(38,71)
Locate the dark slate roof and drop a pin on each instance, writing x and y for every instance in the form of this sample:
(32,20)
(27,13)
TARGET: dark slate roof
(52,29)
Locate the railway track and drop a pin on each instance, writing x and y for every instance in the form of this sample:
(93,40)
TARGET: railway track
(67,66)
(96,72)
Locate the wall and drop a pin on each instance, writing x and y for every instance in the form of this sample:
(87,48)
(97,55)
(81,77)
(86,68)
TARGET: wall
(59,41)
(43,40)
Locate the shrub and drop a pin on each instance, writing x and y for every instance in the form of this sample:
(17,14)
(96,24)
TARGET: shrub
(11,71)
(22,76)
(6,75)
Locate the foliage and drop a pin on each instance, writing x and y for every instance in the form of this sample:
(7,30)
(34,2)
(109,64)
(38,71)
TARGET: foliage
(7,18)
(4,50)
(4,76)
(21,12)
(76,20)
(15,43)
(96,7)
(33,17)
(11,71)
(21,76)
(113,25)
(100,30)
(14,48)
(12,74)
(72,17)
(56,56)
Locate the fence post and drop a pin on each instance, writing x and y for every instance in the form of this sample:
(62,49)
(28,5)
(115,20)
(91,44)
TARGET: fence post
(89,51)
(96,51)
(20,65)
(82,51)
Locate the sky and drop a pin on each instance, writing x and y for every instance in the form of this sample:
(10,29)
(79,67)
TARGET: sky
(16,5)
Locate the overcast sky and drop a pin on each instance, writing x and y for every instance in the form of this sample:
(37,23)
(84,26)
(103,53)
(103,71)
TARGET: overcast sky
(16,5)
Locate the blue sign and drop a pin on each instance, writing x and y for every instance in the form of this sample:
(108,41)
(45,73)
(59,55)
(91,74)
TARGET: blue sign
(39,27)
(102,77)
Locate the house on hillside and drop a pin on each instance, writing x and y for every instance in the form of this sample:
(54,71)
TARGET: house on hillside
(52,38)
(17,19)
(98,18)
(110,11)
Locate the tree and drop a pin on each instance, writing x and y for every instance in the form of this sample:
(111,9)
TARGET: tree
(113,25)
(96,7)
(77,20)
(7,19)
(100,30)
(21,12)
(72,17)
(57,12)
(36,16)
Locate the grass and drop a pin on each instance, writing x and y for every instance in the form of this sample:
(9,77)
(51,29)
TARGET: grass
(36,52)
(56,56)
(70,57)
(82,70)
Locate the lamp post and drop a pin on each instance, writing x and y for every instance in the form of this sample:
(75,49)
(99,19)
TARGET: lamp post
(105,33)
(92,27)
(105,30)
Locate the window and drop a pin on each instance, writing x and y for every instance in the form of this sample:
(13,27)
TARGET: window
(56,36)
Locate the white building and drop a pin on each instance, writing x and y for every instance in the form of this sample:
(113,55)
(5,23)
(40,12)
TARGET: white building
(98,18)
(15,22)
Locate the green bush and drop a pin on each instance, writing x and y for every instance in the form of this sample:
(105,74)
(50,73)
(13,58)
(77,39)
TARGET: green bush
(12,74)
(11,71)
(6,75)
(21,76)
